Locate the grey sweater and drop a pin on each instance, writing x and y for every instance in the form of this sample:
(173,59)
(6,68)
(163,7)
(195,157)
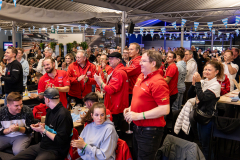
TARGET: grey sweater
(101,139)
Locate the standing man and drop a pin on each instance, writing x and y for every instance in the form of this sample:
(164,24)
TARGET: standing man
(54,78)
(150,103)
(133,69)
(104,69)
(191,69)
(230,69)
(125,57)
(56,131)
(236,60)
(171,77)
(48,54)
(25,66)
(81,78)
(201,63)
(13,79)
(116,88)
(182,69)
(15,119)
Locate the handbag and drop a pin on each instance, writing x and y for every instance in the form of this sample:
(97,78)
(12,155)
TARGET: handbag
(199,116)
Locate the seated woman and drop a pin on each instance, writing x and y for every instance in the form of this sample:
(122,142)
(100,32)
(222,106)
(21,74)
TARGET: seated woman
(207,93)
(98,139)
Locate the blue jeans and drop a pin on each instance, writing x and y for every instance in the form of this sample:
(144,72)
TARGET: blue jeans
(178,102)
(204,134)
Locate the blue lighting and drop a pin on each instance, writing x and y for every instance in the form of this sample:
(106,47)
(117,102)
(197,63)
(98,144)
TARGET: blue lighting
(150,22)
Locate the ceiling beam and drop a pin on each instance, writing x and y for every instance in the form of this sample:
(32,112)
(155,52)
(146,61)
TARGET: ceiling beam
(110,6)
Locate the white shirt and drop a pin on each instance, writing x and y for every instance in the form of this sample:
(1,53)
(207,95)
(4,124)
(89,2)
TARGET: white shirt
(230,77)
(191,69)
(41,69)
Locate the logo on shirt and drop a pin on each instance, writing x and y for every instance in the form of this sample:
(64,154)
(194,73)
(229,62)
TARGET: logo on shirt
(15,70)
(47,80)
(164,99)
(60,77)
(88,73)
(115,79)
(147,83)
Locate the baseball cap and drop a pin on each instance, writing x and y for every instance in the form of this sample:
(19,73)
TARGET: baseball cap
(51,93)
(115,54)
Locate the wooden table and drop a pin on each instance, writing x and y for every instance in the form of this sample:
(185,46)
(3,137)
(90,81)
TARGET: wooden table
(227,100)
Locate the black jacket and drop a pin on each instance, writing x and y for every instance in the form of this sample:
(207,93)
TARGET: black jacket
(58,121)
(207,99)
(13,79)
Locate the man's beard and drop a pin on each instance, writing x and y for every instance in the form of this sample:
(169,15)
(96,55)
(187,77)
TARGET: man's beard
(50,70)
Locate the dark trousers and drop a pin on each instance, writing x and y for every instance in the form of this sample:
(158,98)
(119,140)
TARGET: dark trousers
(185,95)
(117,120)
(146,142)
(130,99)
(37,153)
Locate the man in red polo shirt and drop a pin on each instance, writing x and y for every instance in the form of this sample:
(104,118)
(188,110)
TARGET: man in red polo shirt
(171,77)
(134,68)
(116,88)
(54,78)
(150,103)
(81,74)
(104,69)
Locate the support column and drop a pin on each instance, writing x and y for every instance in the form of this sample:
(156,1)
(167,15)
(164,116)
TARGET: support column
(123,40)
(212,42)
(14,33)
(164,46)
(182,36)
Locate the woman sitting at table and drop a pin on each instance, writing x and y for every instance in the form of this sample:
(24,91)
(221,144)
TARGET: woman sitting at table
(207,93)
(98,139)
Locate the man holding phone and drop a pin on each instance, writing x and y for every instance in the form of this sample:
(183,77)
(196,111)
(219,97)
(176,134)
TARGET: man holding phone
(56,131)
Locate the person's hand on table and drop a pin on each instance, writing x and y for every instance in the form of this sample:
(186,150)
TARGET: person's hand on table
(78,143)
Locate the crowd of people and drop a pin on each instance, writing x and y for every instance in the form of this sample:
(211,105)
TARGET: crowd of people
(140,86)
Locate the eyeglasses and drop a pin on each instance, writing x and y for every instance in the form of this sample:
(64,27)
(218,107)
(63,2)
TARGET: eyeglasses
(102,58)
(142,61)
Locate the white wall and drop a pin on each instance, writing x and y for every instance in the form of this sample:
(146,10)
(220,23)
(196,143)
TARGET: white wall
(66,38)
(158,44)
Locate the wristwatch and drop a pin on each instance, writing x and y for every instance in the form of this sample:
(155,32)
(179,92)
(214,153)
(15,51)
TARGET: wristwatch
(228,63)
(44,132)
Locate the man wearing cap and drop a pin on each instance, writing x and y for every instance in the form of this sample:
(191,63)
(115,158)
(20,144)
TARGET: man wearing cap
(150,103)
(54,79)
(56,132)
(116,88)
(81,78)
(134,68)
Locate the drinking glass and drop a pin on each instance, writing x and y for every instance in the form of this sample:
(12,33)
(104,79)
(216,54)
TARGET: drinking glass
(72,102)
(129,131)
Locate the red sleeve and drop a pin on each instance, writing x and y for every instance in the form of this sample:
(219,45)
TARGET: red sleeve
(171,71)
(91,79)
(109,70)
(160,92)
(72,78)
(227,86)
(115,83)
(133,69)
(109,114)
(41,85)
(66,81)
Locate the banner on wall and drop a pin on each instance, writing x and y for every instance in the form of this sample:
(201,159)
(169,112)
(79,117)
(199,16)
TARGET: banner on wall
(183,22)
(174,24)
(210,24)
(219,33)
(196,25)
(237,20)
(225,21)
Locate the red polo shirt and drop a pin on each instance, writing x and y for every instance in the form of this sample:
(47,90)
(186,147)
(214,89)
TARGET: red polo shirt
(133,71)
(172,71)
(148,93)
(60,80)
